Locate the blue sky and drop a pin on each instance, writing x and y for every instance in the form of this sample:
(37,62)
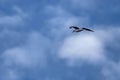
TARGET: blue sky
(37,44)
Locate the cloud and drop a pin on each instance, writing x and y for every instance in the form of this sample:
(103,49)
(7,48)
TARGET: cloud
(93,52)
(10,73)
(84,47)
(94,48)
(10,20)
(111,71)
(32,54)
(91,47)
(85,4)
(13,20)
(64,17)
(10,38)
(111,68)
(74,48)
(61,20)
(97,10)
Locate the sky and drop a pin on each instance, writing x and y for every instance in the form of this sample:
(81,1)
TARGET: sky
(37,44)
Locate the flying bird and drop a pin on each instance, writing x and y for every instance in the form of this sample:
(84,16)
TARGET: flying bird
(77,29)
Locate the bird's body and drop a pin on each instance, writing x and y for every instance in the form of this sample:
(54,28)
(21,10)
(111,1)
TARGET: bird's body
(77,29)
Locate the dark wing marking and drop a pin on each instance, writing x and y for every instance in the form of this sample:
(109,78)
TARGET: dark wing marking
(75,27)
(87,29)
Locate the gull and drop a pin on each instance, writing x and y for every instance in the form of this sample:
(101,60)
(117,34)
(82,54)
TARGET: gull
(77,29)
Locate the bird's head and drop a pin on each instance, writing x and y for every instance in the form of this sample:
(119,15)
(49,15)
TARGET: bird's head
(73,31)
(72,26)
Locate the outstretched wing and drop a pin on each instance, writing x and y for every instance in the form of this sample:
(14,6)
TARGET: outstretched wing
(75,27)
(87,29)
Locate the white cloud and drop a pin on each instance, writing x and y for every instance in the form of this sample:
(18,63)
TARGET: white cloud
(89,47)
(74,48)
(32,54)
(13,20)
(85,47)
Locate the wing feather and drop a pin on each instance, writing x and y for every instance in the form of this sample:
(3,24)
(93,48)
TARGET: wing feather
(87,29)
(75,27)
